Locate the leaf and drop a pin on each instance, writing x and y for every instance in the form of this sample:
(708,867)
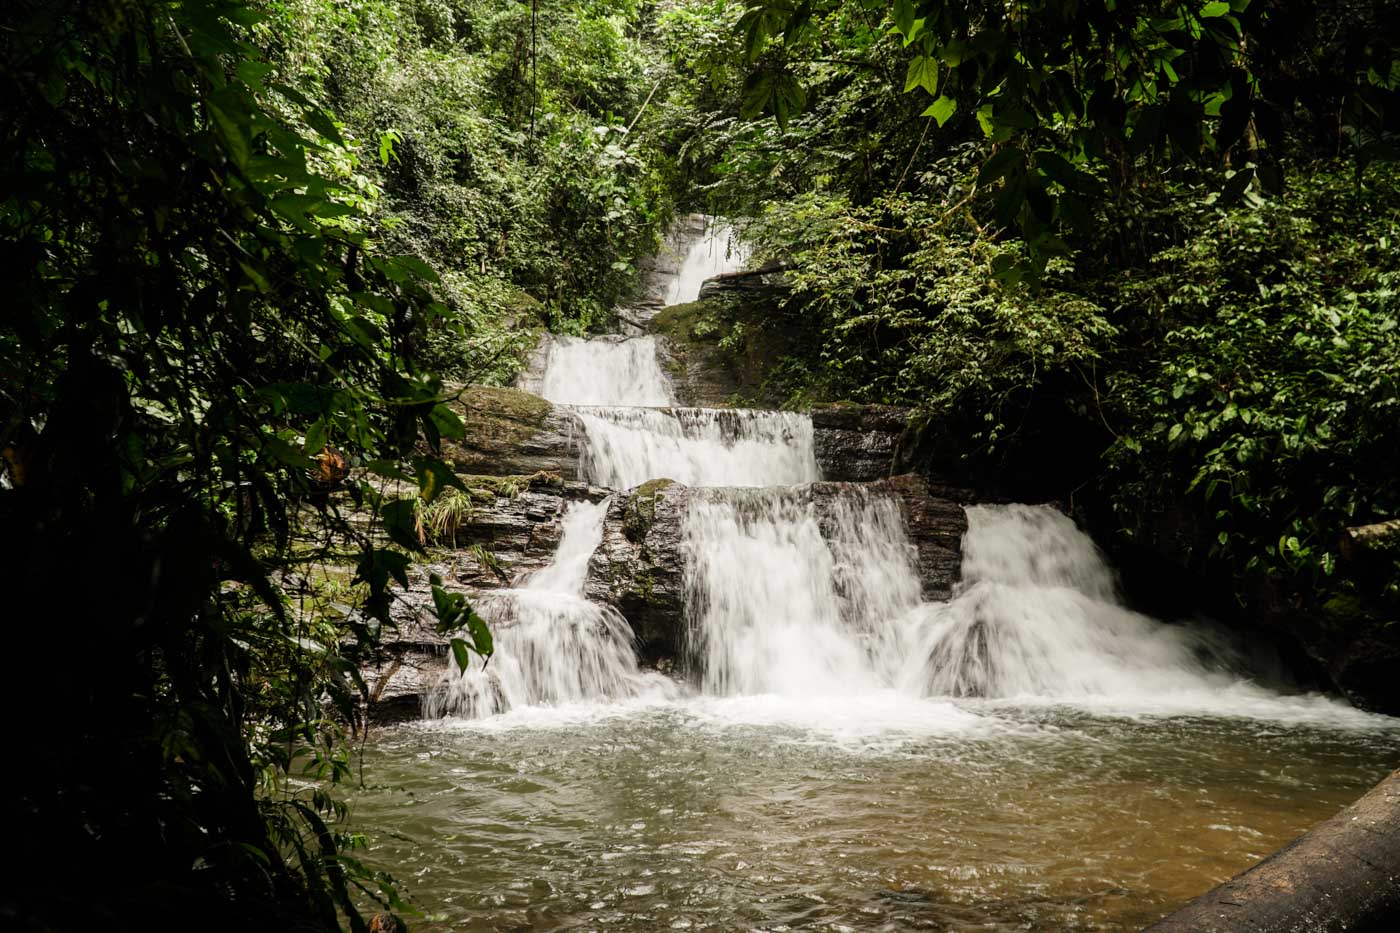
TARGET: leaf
(923,72)
(904,19)
(399,524)
(1005,162)
(1236,186)
(229,116)
(315,437)
(941,109)
(321,122)
(1212,10)
(460,655)
(445,420)
(434,476)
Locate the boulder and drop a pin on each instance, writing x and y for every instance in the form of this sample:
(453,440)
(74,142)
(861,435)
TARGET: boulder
(509,431)
(639,568)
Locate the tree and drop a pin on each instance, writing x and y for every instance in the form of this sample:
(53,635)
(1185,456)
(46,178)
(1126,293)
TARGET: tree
(197,313)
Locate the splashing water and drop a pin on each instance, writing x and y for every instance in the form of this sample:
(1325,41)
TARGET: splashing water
(552,645)
(1037,616)
(776,606)
(789,599)
(605,371)
(715,252)
(624,447)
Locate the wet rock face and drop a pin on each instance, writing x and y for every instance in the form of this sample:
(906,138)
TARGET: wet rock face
(639,566)
(518,533)
(857,443)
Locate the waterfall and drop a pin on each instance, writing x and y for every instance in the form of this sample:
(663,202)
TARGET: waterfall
(715,251)
(784,599)
(789,599)
(607,370)
(624,447)
(1037,615)
(551,645)
(806,592)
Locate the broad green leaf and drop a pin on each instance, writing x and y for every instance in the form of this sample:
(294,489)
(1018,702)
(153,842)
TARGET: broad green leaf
(923,72)
(941,109)
(315,437)
(904,19)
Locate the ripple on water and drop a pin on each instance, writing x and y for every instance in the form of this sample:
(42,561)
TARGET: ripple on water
(760,812)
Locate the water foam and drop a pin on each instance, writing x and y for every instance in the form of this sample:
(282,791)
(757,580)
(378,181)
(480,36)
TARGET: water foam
(785,597)
(798,601)
(552,646)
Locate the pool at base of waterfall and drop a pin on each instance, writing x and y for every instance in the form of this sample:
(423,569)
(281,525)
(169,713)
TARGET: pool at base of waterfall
(878,812)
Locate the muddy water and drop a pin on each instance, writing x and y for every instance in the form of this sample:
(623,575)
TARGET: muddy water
(869,814)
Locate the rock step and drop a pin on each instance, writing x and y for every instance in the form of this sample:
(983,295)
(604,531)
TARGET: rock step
(511,431)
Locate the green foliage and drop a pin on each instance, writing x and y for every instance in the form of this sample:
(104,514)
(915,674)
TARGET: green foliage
(1071,101)
(516,155)
(206,334)
(1271,397)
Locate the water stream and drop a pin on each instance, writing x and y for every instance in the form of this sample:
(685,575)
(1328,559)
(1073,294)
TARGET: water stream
(1029,754)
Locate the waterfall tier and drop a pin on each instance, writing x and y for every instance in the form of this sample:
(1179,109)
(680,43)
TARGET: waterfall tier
(624,447)
(551,645)
(605,371)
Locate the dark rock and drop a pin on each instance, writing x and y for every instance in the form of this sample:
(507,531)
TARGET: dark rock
(518,531)
(703,373)
(857,443)
(936,522)
(765,284)
(638,567)
(1341,875)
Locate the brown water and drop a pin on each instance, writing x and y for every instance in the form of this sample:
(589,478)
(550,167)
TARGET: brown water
(881,814)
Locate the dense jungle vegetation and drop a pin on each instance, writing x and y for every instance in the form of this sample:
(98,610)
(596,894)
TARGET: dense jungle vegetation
(1137,255)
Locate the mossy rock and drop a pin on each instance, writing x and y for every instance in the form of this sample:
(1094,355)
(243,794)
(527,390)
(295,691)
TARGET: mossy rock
(640,509)
(508,432)
(485,488)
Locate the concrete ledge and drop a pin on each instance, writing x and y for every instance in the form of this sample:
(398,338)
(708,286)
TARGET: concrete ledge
(1341,875)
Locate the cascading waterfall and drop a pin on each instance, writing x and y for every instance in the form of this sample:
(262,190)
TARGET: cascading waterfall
(624,447)
(552,645)
(605,371)
(1037,615)
(797,592)
(778,603)
(785,598)
(715,252)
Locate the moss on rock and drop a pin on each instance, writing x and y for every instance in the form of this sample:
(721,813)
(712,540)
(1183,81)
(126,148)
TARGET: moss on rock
(640,509)
(507,431)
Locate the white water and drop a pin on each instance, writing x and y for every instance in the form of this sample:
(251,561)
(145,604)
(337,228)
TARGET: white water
(788,603)
(778,606)
(624,447)
(799,608)
(716,252)
(605,371)
(552,646)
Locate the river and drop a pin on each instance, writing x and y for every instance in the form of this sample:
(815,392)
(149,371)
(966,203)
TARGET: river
(844,754)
